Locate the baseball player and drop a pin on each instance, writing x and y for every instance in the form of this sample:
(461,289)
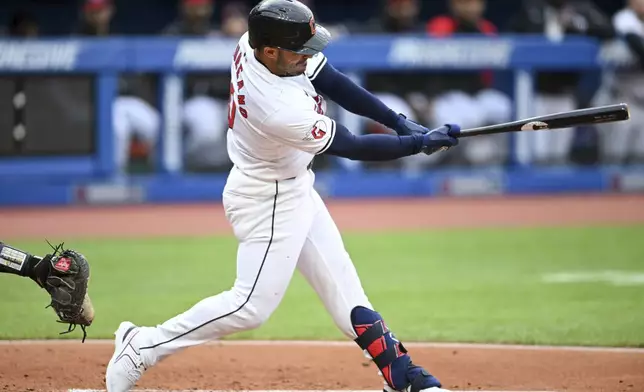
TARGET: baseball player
(64,274)
(277,125)
(624,142)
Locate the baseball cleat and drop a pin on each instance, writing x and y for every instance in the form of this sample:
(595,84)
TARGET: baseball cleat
(419,381)
(126,366)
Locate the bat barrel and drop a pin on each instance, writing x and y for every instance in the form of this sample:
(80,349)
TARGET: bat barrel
(573,118)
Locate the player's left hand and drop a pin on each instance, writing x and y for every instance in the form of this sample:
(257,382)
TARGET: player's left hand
(438,139)
(407,127)
(441,139)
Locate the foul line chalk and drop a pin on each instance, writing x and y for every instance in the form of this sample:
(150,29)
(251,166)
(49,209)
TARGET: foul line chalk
(338,343)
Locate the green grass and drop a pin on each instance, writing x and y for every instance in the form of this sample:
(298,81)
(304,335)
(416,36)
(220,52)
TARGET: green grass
(456,285)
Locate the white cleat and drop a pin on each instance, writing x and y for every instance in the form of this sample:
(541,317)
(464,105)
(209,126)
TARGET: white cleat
(126,366)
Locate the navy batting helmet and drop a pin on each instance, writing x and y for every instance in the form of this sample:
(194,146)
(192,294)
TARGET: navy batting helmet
(288,25)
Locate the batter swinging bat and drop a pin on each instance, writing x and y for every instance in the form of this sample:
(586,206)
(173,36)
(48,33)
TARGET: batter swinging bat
(573,118)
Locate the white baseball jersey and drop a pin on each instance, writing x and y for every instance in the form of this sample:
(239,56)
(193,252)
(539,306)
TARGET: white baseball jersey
(276,124)
(627,21)
(626,139)
(630,80)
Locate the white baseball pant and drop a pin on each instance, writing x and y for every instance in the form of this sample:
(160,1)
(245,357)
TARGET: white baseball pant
(624,140)
(548,147)
(205,119)
(280,226)
(487,107)
(133,116)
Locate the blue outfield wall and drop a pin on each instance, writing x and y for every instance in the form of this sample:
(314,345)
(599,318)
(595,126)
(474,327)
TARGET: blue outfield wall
(81,180)
(335,184)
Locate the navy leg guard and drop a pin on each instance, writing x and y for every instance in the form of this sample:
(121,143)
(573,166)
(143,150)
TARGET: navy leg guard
(388,353)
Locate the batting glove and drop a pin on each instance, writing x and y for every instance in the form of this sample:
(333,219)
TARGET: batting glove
(435,140)
(441,139)
(405,126)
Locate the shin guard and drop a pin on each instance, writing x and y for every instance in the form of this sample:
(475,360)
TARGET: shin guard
(389,355)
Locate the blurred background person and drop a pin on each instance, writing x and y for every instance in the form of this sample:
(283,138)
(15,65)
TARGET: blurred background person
(623,142)
(430,96)
(205,110)
(558,91)
(468,97)
(434,97)
(136,121)
(234,19)
(412,164)
(195,19)
(336,27)
(136,126)
(22,25)
(396,16)
(96,18)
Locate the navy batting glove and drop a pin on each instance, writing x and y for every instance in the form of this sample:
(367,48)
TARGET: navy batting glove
(440,139)
(405,126)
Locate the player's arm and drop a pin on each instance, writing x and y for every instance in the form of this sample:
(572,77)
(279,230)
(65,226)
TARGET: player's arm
(352,97)
(15,261)
(309,131)
(383,147)
(598,23)
(64,274)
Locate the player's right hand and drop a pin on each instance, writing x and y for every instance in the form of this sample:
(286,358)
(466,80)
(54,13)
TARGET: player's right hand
(441,139)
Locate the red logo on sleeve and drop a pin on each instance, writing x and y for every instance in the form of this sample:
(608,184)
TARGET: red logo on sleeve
(317,133)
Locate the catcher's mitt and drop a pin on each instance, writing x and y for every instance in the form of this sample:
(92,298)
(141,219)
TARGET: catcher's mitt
(65,275)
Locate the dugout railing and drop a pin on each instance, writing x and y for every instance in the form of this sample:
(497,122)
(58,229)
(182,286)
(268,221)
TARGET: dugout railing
(103,60)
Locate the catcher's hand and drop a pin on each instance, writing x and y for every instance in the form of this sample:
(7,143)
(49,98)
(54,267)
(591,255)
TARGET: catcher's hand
(65,275)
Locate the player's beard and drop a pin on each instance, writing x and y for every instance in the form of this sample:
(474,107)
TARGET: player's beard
(289,69)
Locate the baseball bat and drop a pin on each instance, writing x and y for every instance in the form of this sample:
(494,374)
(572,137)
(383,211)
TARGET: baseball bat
(573,118)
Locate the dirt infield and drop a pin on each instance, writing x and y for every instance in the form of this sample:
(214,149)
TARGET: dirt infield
(51,367)
(57,366)
(207,219)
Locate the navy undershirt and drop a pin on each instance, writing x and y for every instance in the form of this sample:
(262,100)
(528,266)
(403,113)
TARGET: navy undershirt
(375,147)
(343,91)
